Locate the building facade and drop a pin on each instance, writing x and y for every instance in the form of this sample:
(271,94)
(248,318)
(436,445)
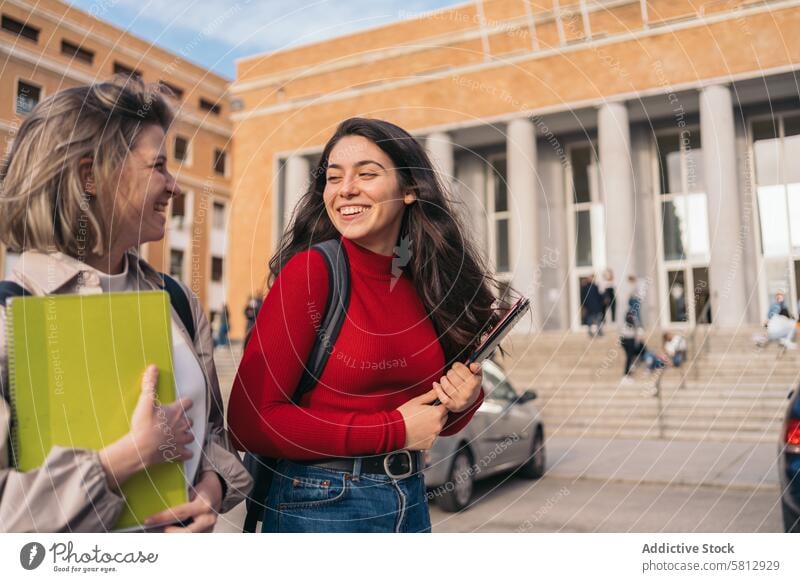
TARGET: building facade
(46,46)
(651,137)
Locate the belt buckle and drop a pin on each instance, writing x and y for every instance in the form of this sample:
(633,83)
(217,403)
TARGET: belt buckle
(399,475)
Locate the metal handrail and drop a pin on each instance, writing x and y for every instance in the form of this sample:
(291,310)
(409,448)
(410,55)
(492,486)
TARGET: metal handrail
(703,317)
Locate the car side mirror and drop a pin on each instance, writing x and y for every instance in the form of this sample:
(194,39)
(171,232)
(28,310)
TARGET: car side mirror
(527,396)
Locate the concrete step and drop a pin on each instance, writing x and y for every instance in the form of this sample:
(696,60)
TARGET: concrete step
(667,401)
(680,416)
(752,375)
(653,433)
(732,428)
(728,389)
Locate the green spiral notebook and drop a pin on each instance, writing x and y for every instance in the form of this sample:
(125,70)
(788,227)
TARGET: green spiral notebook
(75,370)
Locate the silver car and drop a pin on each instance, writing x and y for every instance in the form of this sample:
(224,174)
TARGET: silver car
(505,433)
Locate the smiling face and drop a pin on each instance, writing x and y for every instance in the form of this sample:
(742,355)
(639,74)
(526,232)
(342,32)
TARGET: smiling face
(145,188)
(362,194)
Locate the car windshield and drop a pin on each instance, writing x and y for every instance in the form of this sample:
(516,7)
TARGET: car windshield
(497,387)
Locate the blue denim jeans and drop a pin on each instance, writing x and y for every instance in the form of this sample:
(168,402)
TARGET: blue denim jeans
(653,363)
(306,498)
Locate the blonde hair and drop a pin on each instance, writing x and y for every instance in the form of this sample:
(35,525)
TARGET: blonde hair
(43,205)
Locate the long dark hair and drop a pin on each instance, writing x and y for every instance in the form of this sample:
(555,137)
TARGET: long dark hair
(455,286)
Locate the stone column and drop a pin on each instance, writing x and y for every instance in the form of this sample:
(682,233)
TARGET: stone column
(616,183)
(469,190)
(440,149)
(523,188)
(646,228)
(553,239)
(297,171)
(726,268)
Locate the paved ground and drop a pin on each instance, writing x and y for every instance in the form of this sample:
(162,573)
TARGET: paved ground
(604,485)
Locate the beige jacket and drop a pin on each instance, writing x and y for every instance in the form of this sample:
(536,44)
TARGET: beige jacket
(70,492)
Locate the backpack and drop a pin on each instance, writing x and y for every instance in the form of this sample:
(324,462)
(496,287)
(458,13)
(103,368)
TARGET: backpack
(260,467)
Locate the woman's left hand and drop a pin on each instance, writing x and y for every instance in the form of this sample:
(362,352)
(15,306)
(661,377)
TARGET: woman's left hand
(460,388)
(206,499)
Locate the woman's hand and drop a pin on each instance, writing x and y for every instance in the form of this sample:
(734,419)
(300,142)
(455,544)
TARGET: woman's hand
(460,388)
(158,434)
(206,499)
(423,421)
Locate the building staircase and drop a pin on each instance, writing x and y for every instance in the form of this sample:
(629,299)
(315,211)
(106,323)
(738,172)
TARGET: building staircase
(729,389)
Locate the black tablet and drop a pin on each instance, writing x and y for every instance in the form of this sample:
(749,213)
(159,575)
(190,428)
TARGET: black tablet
(499,331)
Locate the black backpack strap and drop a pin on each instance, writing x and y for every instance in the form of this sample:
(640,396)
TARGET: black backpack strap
(263,468)
(9,290)
(179,300)
(335,313)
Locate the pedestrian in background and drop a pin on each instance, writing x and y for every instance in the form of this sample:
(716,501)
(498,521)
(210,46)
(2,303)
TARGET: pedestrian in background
(224,327)
(594,307)
(609,295)
(635,299)
(778,307)
(251,312)
(675,348)
(630,340)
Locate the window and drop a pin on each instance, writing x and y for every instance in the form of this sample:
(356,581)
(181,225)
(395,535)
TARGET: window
(175,92)
(219,162)
(179,211)
(120,69)
(218,216)
(181,152)
(216,269)
(588,208)
(19,28)
(176,263)
(77,52)
(28,97)
(684,216)
(210,106)
(582,174)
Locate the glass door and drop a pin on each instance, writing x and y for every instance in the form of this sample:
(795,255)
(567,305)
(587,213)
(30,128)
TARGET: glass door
(585,224)
(682,212)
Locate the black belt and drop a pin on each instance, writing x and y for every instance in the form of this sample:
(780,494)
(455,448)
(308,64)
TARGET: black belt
(397,465)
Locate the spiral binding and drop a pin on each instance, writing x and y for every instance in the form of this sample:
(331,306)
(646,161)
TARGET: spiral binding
(12,380)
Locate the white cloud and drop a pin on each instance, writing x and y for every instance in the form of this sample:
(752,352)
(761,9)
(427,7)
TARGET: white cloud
(274,24)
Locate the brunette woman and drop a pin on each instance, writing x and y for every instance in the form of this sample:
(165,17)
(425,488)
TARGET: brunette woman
(351,452)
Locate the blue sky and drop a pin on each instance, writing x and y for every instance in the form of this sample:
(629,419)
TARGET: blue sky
(214,33)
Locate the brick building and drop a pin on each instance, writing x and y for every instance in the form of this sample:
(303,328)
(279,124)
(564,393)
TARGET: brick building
(47,45)
(654,137)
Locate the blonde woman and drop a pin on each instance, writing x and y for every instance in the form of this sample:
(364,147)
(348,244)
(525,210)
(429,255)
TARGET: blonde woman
(85,183)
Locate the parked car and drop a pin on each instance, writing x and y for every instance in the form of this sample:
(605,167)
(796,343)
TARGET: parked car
(505,433)
(789,465)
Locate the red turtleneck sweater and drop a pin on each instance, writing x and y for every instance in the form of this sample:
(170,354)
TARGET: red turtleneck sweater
(387,353)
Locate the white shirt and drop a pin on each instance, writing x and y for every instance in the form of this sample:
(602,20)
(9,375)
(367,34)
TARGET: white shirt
(675,345)
(189,379)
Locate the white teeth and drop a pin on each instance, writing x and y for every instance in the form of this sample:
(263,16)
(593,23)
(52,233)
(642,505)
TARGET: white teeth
(349,210)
